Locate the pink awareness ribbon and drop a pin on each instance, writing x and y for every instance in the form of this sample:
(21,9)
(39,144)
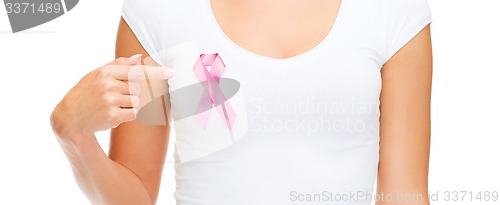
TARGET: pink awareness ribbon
(212,94)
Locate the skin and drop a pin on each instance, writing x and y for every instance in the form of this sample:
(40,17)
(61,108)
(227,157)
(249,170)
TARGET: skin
(132,172)
(405,121)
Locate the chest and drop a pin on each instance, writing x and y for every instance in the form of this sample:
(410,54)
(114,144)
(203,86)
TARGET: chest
(278,28)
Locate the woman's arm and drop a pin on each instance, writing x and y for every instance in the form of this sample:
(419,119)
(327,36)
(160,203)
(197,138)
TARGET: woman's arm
(132,172)
(141,148)
(405,123)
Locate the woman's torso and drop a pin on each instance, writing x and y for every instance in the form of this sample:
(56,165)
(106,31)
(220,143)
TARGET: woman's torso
(306,104)
(311,119)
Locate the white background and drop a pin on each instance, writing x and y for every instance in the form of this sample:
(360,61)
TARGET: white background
(39,66)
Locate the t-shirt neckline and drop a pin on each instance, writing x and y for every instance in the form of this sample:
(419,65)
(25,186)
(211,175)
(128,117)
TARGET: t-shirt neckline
(333,31)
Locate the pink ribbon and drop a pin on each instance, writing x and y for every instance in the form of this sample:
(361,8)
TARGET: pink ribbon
(212,94)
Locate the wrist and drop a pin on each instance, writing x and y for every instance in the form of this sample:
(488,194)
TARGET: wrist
(63,126)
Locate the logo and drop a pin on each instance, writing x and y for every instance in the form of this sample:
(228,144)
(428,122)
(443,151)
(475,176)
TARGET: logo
(26,14)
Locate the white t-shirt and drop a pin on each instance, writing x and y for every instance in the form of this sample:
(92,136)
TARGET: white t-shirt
(306,129)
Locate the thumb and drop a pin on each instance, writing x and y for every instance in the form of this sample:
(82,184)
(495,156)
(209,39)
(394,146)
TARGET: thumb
(132,60)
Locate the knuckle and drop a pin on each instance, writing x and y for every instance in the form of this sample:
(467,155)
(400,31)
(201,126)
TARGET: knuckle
(108,100)
(107,85)
(103,72)
(111,116)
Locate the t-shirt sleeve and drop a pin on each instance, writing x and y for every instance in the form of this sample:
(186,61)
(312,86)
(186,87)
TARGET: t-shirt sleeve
(404,20)
(144,19)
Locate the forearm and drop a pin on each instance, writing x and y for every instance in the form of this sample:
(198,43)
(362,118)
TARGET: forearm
(101,179)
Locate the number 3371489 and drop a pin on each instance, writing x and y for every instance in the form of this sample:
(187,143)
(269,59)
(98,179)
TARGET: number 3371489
(42,8)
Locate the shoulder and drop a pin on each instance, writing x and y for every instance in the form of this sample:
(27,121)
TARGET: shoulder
(143,8)
(146,19)
(404,19)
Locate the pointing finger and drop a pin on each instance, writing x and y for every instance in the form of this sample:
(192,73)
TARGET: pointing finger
(140,72)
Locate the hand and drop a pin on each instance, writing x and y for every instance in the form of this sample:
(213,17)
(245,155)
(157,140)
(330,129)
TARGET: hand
(104,98)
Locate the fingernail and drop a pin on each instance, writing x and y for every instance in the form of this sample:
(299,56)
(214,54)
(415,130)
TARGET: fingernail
(134,59)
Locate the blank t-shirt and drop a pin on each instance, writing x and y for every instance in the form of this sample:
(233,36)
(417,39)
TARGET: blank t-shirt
(306,128)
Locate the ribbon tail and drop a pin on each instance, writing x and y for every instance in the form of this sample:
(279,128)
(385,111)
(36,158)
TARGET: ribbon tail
(228,113)
(224,108)
(204,109)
